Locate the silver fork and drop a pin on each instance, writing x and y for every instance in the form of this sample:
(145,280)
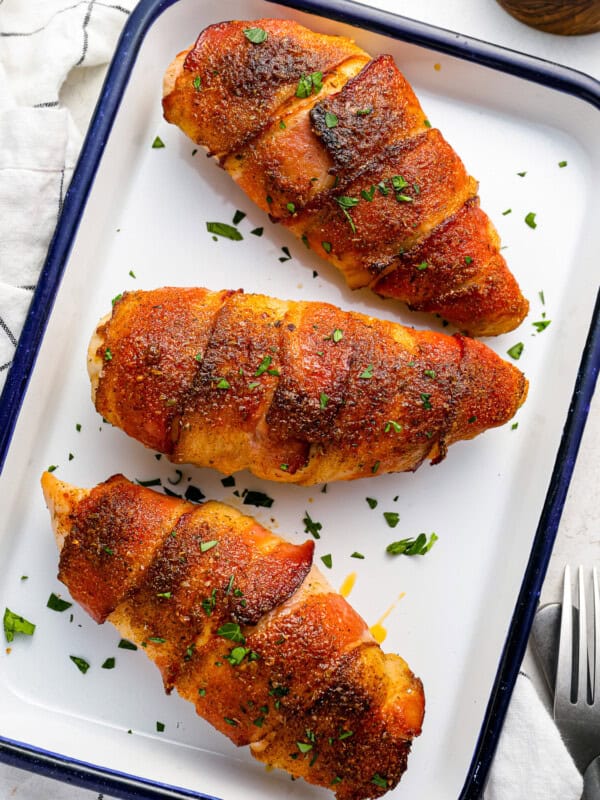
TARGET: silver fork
(577,692)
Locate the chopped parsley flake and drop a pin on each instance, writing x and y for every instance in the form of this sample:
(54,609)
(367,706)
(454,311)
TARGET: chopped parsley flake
(427,123)
(197,83)
(14,623)
(327,560)
(562,163)
(379,781)
(125,644)
(364,112)
(412,547)
(56,604)
(160,726)
(530,220)
(193,494)
(541,325)
(345,203)
(375,467)
(356,554)
(392,424)
(367,373)
(392,518)
(108,664)
(256,35)
(371,502)
(81,664)
(326,246)
(225,230)
(331,119)
(287,255)
(238,216)
(52,468)
(259,499)
(368,194)
(166,595)
(223,384)
(309,84)
(108,354)
(516,350)
(337,335)
(263,366)
(422,266)
(157,143)
(311,526)
(257,231)
(282,125)
(426,401)
(291,207)
(231,631)
(323,400)
(204,546)
(508,211)
(468,260)
(521,174)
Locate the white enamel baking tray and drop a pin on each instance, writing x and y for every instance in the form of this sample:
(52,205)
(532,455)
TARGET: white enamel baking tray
(460,615)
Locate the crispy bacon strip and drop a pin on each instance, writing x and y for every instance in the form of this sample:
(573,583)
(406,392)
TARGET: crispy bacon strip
(294,391)
(238,621)
(336,147)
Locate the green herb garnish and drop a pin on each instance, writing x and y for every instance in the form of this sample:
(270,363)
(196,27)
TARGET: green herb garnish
(223,384)
(125,644)
(372,503)
(160,726)
(392,518)
(197,83)
(392,424)
(157,143)
(541,325)
(516,350)
(326,246)
(327,560)
(356,554)
(367,373)
(311,526)
(309,84)
(323,400)
(81,664)
(345,203)
(256,35)
(530,220)
(231,631)
(368,194)
(225,230)
(562,163)
(259,499)
(331,119)
(56,604)
(14,623)
(108,664)
(412,547)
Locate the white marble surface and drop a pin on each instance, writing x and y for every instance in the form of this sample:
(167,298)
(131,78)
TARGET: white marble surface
(579,533)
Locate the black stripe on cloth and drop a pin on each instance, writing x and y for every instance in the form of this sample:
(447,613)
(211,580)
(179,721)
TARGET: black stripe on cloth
(60,193)
(8,363)
(39,30)
(27,288)
(49,104)
(115,8)
(86,22)
(8,332)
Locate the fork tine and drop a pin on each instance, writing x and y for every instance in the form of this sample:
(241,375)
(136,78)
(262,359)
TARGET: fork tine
(582,671)
(596,607)
(564,663)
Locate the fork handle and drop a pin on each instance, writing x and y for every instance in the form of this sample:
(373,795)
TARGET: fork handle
(591,781)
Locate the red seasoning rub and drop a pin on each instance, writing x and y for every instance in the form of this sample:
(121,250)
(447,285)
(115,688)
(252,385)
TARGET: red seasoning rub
(335,146)
(300,392)
(242,625)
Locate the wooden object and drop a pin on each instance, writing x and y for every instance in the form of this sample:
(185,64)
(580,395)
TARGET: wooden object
(565,17)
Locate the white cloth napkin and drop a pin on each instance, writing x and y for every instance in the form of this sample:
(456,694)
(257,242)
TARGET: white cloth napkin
(41,41)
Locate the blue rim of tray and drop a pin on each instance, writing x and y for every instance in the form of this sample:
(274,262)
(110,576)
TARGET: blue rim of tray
(554,76)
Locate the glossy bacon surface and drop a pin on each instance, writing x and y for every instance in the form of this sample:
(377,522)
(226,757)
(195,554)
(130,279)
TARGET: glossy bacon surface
(302,681)
(299,392)
(414,230)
